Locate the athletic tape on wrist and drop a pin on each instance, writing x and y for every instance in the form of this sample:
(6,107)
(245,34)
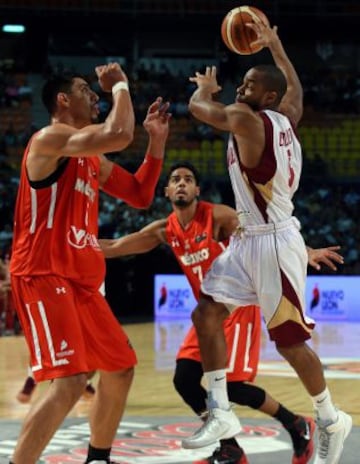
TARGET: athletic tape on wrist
(120,86)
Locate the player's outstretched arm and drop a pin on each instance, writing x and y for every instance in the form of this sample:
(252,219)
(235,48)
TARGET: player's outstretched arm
(138,189)
(327,256)
(143,241)
(62,139)
(156,125)
(292,102)
(237,118)
(202,105)
(225,221)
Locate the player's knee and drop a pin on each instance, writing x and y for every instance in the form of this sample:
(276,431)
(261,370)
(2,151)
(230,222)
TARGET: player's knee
(187,376)
(115,383)
(70,388)
(246,394)
(125,375)
(208,314)
(293,353)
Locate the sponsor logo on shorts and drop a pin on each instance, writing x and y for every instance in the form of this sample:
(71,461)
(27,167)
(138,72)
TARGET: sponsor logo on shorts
(64,351)
(60,290)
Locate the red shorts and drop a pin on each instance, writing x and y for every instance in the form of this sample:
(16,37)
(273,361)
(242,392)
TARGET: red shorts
(69,328)
(243,336)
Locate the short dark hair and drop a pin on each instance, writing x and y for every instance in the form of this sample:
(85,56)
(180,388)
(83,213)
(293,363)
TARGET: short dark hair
(55,84)
(274,79)
(186,165)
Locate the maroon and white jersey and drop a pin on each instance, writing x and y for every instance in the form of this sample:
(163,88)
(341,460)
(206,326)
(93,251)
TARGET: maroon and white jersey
(265,263)
(264,194)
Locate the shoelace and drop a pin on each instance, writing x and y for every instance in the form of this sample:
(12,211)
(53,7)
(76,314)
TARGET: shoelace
(324,440)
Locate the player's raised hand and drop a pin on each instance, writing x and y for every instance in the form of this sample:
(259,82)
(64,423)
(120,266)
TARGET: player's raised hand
(207,81)
(157,118)
(109,74)
(266,35)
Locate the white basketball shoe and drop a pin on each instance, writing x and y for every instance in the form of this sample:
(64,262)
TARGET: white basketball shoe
(219,425)
(331,438)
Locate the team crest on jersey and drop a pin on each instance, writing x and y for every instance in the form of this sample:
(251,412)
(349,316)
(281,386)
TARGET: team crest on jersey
(201,237)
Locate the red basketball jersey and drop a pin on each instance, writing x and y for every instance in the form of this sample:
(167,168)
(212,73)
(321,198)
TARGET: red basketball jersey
(56,223)
(194,248)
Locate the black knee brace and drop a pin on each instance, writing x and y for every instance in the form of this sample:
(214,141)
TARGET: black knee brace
(246,394)
(187,382)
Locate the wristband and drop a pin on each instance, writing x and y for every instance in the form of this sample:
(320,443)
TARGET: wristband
(122,85)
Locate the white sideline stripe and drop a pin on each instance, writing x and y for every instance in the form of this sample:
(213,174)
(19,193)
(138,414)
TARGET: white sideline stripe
(135,425)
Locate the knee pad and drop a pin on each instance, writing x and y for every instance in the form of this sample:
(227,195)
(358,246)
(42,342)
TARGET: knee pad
(187,382)
(246,394)
(188,373)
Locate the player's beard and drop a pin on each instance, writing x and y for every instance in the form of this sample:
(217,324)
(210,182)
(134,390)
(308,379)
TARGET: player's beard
(182,202)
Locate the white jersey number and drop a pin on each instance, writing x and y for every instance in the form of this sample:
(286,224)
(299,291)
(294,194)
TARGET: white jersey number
(197,270)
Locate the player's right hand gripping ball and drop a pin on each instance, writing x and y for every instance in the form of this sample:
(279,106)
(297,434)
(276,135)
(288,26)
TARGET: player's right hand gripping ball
(236,35)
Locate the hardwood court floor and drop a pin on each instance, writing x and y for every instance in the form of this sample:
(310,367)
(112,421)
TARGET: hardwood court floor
(152,393)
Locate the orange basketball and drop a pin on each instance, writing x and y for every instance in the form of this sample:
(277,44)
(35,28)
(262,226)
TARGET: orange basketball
(234,32)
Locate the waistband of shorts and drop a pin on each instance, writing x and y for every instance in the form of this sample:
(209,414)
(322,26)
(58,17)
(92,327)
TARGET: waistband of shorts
(270,228)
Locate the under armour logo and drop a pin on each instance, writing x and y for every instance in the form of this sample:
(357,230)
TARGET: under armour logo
(175,242)
(81,161)
(60,290)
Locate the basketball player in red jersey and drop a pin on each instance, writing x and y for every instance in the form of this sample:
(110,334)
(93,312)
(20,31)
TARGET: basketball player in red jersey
(266,260)
(197,233)
(57,266)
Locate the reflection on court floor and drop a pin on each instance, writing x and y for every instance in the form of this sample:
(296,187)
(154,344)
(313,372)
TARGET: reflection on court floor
(336,342)
(168,336)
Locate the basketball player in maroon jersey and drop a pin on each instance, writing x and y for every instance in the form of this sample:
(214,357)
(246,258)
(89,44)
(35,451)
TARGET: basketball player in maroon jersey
(197,233)
(57,266)
(266,260)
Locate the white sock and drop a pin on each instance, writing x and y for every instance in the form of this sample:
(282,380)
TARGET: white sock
(324,406)
(217,389)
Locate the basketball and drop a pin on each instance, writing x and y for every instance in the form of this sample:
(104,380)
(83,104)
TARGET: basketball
(236,35)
